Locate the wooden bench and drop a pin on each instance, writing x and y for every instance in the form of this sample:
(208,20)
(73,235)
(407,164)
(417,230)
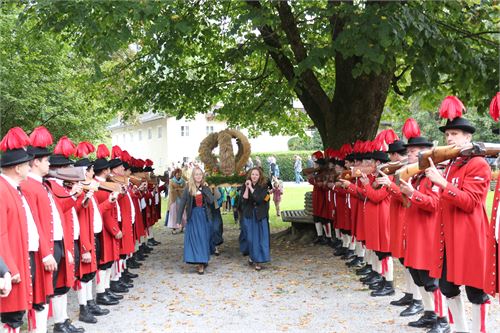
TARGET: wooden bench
(296,216)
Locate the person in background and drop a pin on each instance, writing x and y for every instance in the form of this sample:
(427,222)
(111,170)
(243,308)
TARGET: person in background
(297,168)
(177,185)
(249,164)
(310,162)
(277,191)
(258,162)
(228,199)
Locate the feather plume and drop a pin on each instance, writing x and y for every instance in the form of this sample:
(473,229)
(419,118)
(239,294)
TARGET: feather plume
(15,138)
(451,108)
(102,151)
(83,149)
(495,107)
(65,147)
(116,152)
(411,128)
(148,163)
(41,137)
(125,156)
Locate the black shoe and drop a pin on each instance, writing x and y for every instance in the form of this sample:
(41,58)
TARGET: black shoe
(133,264)
(377,285)
(104,299)
(355,262)
(374,279)
(386,290)
(323,240)
(126,279)
(155,241)
(86,315)
(61,328)
(139,256)
(95,309)
(340,251)
(116,287)
(427,320)
(365,270)
(414,308)
(129,274)
(348,255)
(150,243)
(125,284)
(368,277)
(403,301)
(146,249)
(337,243)
(72,328)
(317,240)
(112,295)
(440,326)
(330,243)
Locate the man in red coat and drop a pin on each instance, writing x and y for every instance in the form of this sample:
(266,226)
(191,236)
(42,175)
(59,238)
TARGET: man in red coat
(462,226)
(50,211)
(318,197)
(15,239)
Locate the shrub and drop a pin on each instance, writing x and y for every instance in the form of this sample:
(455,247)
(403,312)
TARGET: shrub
(285,162)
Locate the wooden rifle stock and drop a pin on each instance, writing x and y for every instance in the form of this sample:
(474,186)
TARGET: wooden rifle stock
(391,167)
(406,173)
(444,153)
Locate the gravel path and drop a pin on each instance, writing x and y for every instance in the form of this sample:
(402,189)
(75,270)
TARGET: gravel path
(303,290)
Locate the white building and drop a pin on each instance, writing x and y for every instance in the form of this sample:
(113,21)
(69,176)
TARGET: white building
(165,139)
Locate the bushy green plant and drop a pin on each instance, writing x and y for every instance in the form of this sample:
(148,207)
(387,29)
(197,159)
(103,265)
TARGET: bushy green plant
(285,161)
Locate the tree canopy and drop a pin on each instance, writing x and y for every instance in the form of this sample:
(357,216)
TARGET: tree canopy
(345,61)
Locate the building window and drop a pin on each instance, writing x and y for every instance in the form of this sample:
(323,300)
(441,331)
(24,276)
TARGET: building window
(123,137)
(210,129)
(184,130)
(160,133)
(150,133)
(140,135)
(131,136)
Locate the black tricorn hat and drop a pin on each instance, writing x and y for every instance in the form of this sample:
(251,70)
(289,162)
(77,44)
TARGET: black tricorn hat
(115,162)
(38,152)
(379,156)
(15,157)
(397,146)
(58,160)
(150,169)
(126,166)
(100,164)
(84,162)
(458,123)
(418,141)
(350,157)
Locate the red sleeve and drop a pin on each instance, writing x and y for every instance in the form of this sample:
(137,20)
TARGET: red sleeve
(474,185)
(427,197)
(395,192)
(374,195)
(4,240)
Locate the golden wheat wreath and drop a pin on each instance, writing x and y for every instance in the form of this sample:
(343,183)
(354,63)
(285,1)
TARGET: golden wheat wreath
(229,164)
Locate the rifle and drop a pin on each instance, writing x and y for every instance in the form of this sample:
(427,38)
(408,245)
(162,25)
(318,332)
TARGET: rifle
(444,153)
(391,167)
(406,173)
(70,174)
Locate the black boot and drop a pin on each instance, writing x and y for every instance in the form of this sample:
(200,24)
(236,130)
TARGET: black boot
(356,262)
(86,315)
(72,328)
(126,279)
(61,328)
(155,242)
(427,320)
(340,251)
(104,299)
(337,243)
(386,290)
(414,308)
(377,285)
(440,326)
(132,263)
(150,242)
(95,309)
(368,277)
(317,239)
(349,255)
(323,240)
(376,277)
(129,274)
(140,256)
(367,269)
(403,301)
(124,284)
(112,295)
(117,287)
(146,249)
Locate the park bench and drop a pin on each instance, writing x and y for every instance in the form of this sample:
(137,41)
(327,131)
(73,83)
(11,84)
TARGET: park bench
(296,216)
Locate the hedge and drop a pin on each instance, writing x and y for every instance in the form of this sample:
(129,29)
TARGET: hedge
(285,162)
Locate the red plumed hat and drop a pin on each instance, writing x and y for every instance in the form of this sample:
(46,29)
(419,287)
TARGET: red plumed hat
(345,149)
(65,147)
(140,163)
(102,151)
(125,157)
(495,107)
(83,149)
(388,136)
(318,155)
(15,138)
(116,152)
(41,137)
(411,129)
(451,108)
(148,163)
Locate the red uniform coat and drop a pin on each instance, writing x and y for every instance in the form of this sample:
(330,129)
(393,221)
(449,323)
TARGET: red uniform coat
(66,276)
(397,213)
(127,241)
(147,195)
(357,210)
(342,210)
(14,248)
(110,246)
(139,230)
(376,217)
(463,222)
(318,197)
(330,204)
(421,221)
(491,285)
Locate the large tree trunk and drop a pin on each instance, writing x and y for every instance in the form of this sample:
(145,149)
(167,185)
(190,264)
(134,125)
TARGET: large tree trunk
(356,107)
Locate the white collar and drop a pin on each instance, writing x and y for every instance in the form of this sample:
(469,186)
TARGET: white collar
(10,181)
(35,177)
